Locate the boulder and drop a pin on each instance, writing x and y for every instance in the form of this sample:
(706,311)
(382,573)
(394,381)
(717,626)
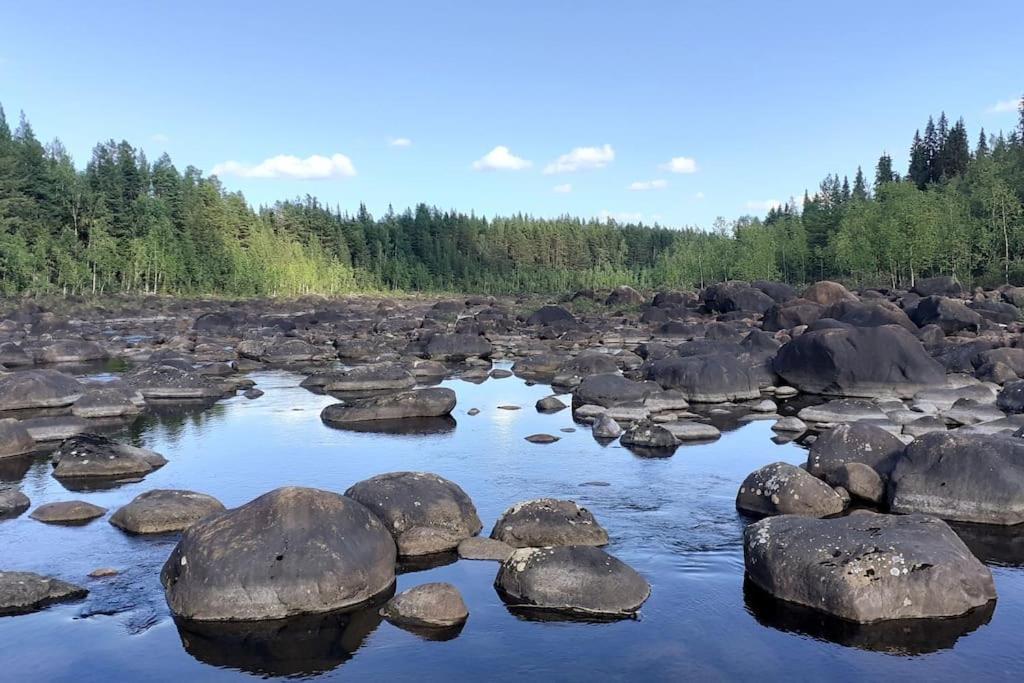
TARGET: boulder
(479,548)
(689,430)
(966,477)
(13,356)
(546,315)
(606,428)
(548,522)
(38,389)
(862,481)
(67,512)
(95,456)
(24,592)
(646,434)
(168,382)
(49,428)
(13,503)
(782,489)
(104,402)
(860,442)
(827,293)
(291,551)
(790,315)
(867,567)
(1010,398)
(430,402)
(624,295)
(456,347)
(430,605)
(164,510)
(869,314)
(14,439)
(575,579)
(365,379)
(424,513)
(951,316)
(869,361)
(611,389)
(705,379)
(550,404)
(72,351)
(941,285)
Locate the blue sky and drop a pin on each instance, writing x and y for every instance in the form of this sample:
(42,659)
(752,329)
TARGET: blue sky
(754,101)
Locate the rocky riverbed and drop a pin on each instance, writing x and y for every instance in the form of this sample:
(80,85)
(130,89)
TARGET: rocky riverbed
(243,486)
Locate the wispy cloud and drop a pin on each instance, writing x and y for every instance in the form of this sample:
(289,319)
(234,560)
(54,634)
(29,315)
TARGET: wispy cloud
(621,216)
(314,167)
(763,204)
(699,195)
(564,188)
(581,159)
(1005,106)
(400,142)
(680,165)
(501,159)
(160,138)
(645,185)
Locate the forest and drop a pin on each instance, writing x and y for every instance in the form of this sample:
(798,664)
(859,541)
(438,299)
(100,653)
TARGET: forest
(124,224)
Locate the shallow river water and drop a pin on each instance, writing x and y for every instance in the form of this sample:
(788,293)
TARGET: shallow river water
(672,519)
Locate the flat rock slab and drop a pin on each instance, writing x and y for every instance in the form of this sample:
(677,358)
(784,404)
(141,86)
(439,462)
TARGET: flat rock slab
(478,548)
(686,430)
(24,592)
(67,512)
(867,567)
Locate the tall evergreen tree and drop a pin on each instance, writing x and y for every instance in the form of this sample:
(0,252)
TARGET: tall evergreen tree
(860,188)
(918,170)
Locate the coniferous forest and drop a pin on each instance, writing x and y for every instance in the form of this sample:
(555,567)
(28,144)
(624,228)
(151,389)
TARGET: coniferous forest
(125,224)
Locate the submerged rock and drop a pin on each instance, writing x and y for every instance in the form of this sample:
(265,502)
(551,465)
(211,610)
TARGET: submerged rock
(24,592)
(548,522)
(289,552)
(162,510)
(575,579)
(13,503)
(867,567)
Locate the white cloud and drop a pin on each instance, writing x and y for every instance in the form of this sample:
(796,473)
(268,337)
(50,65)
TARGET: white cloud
(680,165)
(763,204)
(1004,106)
(699,195)
(160,138)
(564,188)
(582,158)
(500,159)
(400,142)
(315,167)
(621,216)
(645,185)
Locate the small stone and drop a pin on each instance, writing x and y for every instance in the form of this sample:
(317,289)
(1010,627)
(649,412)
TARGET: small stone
(13,503)
(252,393)
(67,512)
(542,438)
(509,407)
(438,605)
(550,404)
(473,411)
(103,572)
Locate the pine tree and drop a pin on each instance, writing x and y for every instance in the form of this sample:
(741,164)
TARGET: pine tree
(918,169)
(860,188)
(956,153)
(883,171)
(981,150)
(933,152)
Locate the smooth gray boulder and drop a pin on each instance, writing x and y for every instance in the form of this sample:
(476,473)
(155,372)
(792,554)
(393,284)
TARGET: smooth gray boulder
(782,489)
(550,404)
(14,439)
(646,434)
(164,510)
(548,522)
(72,351)
(430,605)
(480,548)
(606,428)
(867,567)
(95,456)
(712,378)
(67,512)
(575,579)
(424,513)
(291,551)
(860,480)
(430,402)
(966,477)
(861,442)
(13,503)
(24,592)
(26,389)
(609,389)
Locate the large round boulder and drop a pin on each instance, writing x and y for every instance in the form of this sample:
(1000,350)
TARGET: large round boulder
(548,522)
(867,567)
(783,489)
(705,379)
(950,315)
(546,315)
(289,552)
(72,351)
(456,347)
(425,513)
(430,402)
(14,439)
(610,389)
(576,579)
(865,361)
(624,295)
(38,389)
(966,477)
(95,456)
(164,510)
(827,293)
(861,442)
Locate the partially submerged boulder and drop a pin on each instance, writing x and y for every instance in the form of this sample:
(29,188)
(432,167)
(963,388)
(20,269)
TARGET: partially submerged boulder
(26,389)
(24,592)
(95,456)
(430,402)
(14,439)
(430,605)
(548,522)
(163,510)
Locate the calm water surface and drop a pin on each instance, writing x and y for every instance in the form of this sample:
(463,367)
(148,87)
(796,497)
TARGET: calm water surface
(673,519)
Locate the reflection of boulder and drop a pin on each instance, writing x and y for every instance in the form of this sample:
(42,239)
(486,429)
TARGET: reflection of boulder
(899,637)
(409,426)
(300,646)
(992,544)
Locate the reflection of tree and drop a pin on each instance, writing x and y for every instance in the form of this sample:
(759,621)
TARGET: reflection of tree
(169,421)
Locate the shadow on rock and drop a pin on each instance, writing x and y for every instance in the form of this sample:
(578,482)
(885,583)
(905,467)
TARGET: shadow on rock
(420,563)
(901,637)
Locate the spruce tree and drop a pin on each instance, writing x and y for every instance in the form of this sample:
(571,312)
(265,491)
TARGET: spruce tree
(860,188)
(981,150)
(918,169)
(883,171)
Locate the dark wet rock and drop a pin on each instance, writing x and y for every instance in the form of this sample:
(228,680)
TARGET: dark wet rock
(67,512)
(827,293)
(966,477)
(790,315)
(13,503)
(289,552)
(548,522)
(38,389)
(624,295)
(167,382)
(425,513)
(782,489)
(869,314)
(253,393)
(500,373)
(377,377)
(867,567)
(611,389)
(546,315)
(49,428)
(941,285)
(480,548)
(606,428)
(433,605)
(870,361)
(580,580)
(646,434)
(24,592)
(704,379)
(103,402)
(430,402)
(996,311)
(967,412)
(859,442)
(862,481)
(72,351)
(778,291)
(14,439)
(542,438)
(952,316)
(95,456)
(667,299)
(14,356)
(550,404)
(587,363)
(164,510)
(456,347)
(726,297)
(996,372)
(218,323)
(1011,357)
(1010,399)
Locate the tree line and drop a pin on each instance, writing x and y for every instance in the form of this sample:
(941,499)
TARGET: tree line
(124,224)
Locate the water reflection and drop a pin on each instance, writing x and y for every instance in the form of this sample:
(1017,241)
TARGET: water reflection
(410,426)
(420,563)
(901,637)
(993,544)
